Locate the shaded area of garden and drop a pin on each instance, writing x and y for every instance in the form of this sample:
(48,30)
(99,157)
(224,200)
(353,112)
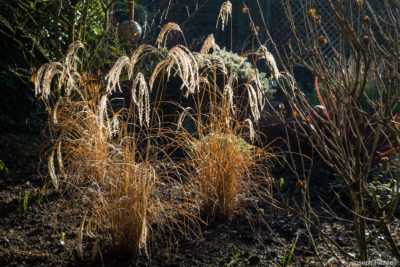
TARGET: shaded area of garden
(154,153)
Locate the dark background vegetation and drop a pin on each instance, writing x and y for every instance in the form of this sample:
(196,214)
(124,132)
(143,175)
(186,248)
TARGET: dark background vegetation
(34,32)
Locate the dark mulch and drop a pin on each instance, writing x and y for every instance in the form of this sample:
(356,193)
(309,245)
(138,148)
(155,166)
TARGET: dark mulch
(45,233)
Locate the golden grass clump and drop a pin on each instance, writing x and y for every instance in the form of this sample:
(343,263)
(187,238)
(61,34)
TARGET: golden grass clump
(223,167)
(105,167)
(95,158)
(125,202)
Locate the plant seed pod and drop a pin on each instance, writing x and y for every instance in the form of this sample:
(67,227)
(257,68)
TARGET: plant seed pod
(366,20)
(251,25)
(301,185)
(281,106)
(365,40)
(385,159)
(245,10)
(260,211)
(322,40)
(291,61)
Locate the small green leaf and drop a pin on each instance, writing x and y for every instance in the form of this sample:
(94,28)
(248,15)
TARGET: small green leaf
(281,183)
(2,166)
(25,205)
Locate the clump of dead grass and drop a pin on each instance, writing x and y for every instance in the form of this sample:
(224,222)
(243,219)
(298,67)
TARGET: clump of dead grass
(221,164)
(95,156)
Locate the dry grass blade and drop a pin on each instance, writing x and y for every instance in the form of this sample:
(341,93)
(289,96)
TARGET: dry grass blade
(182,116)
(52,171)
(224,14)
(128,205)
(166,31)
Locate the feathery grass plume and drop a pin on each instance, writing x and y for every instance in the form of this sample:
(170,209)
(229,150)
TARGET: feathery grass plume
(69,75)
(103,116)
(259,89)
(55,112)
(210,63)
(115,125)
(165,32)
(142,100)
(253,100)
(139,53)
(44,78)
(228,91)
(251,129)
(184,63)
(208,44)
(59,157)
(52,170)
(224,13)
(113,75)
(72,58)
(39,90)
(269,58)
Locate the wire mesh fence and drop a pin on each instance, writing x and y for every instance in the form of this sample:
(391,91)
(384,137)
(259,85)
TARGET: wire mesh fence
(321,12)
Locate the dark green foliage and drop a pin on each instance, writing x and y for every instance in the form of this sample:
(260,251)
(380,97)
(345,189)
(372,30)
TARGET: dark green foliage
(34,32)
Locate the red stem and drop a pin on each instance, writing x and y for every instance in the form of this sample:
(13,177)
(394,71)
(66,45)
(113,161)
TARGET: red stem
(321,101)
